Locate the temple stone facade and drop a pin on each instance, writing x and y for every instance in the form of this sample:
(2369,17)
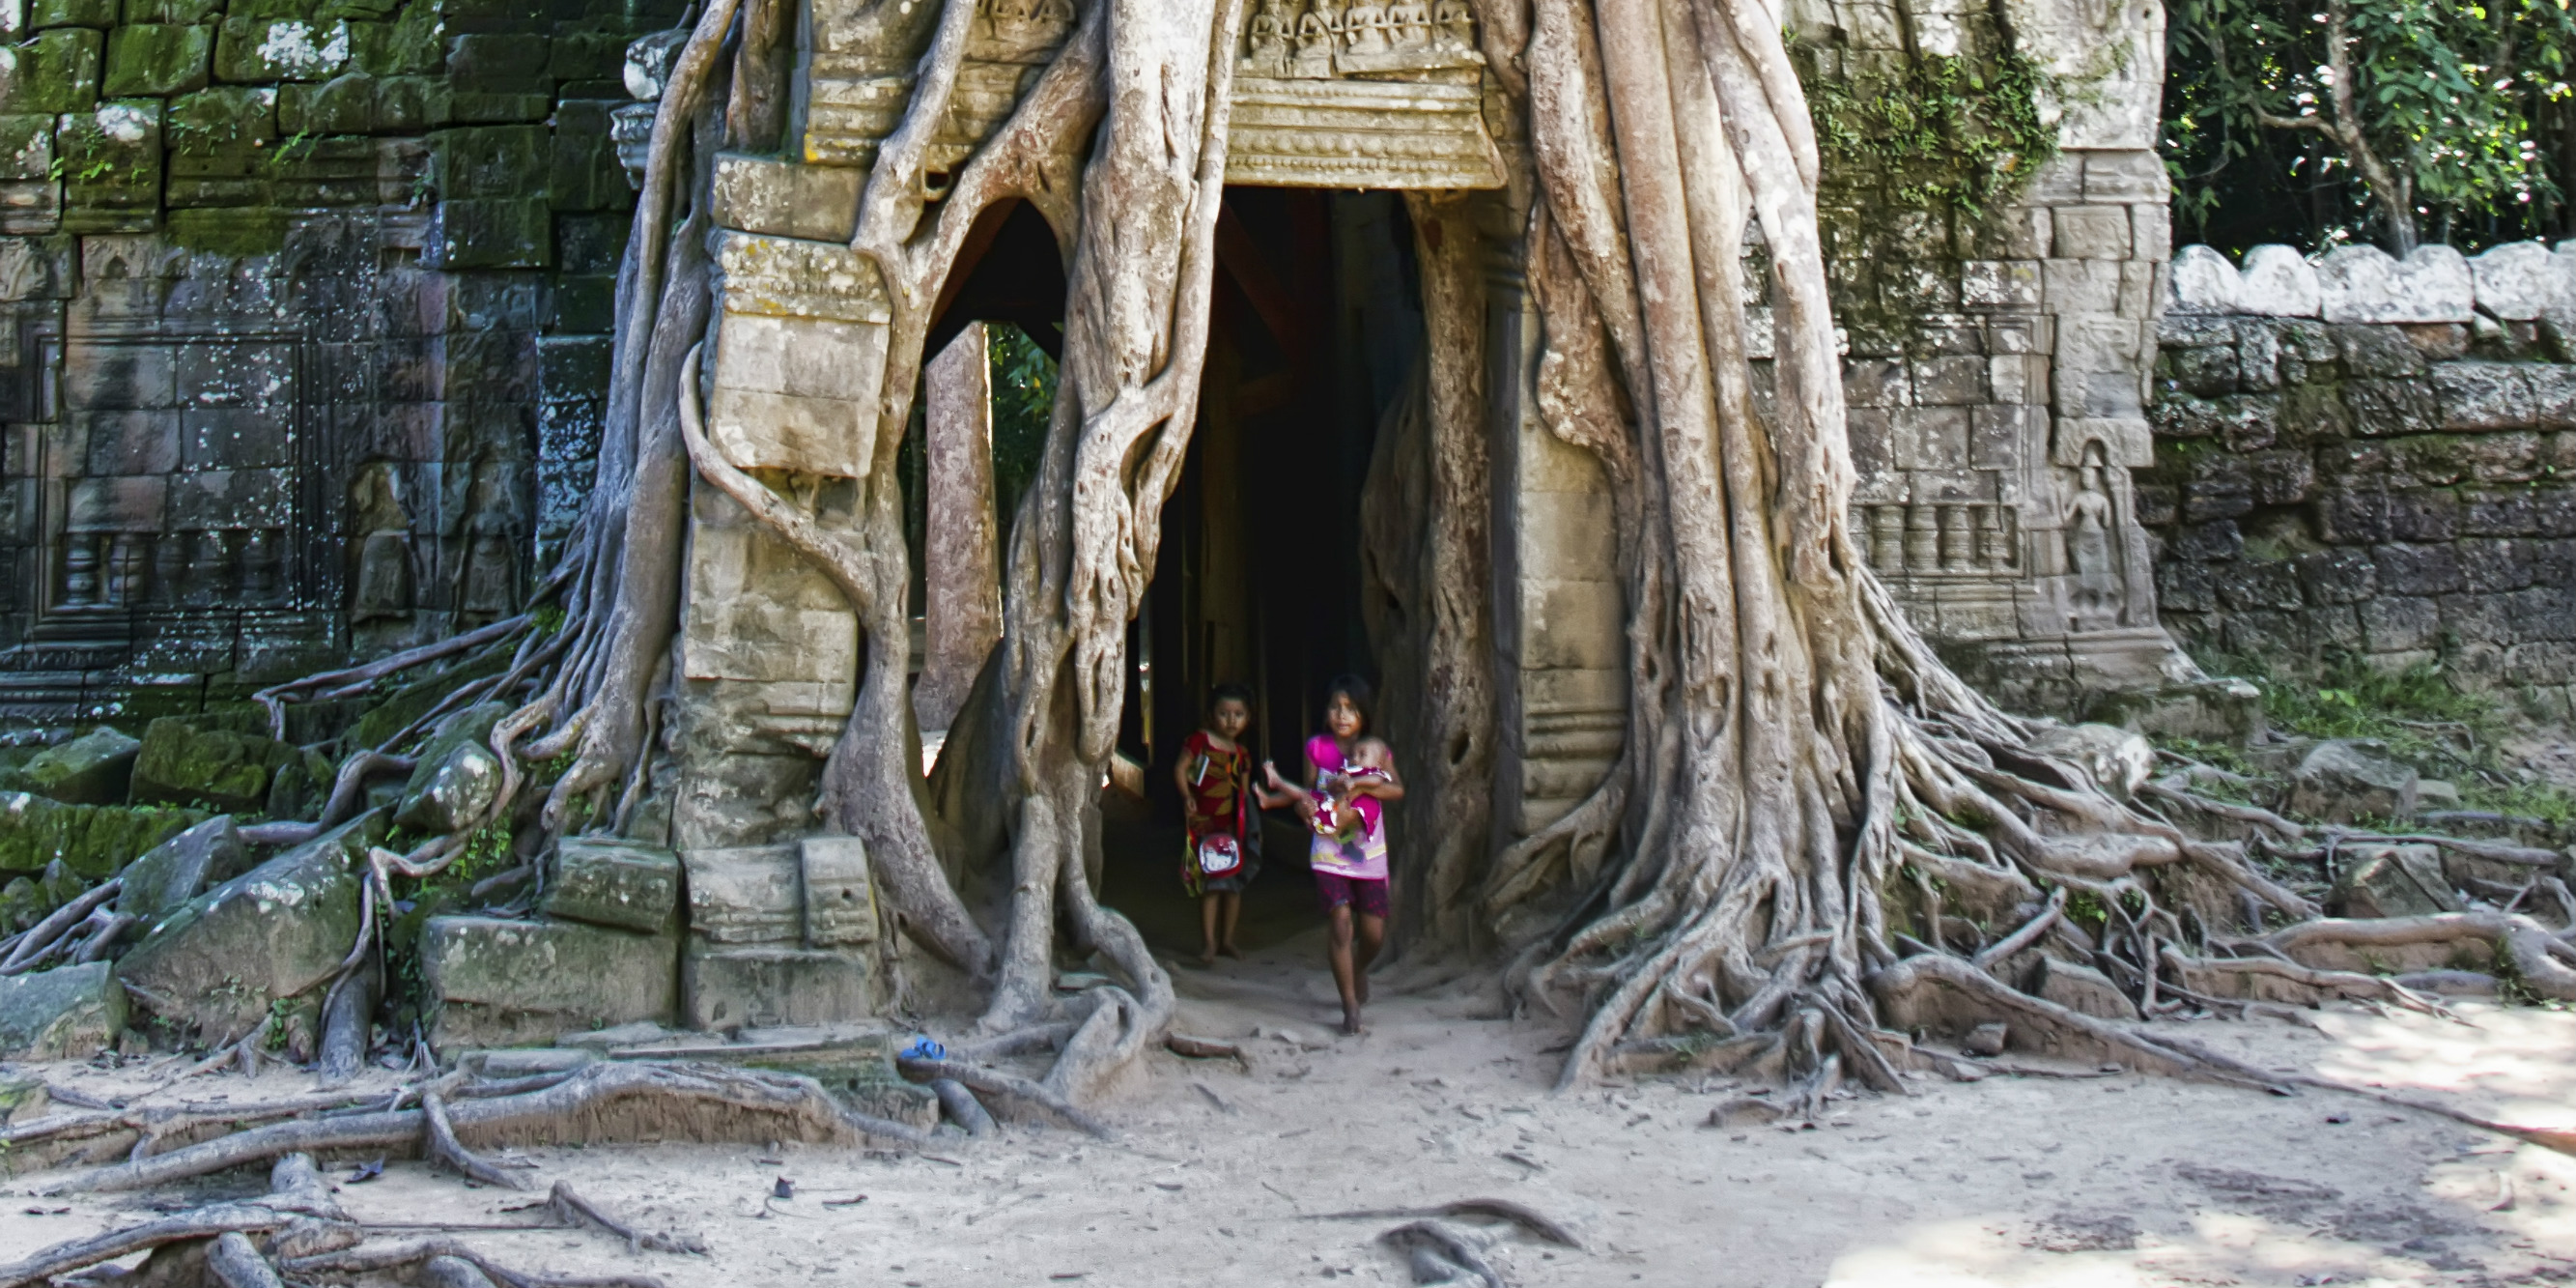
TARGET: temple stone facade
(303,330)
(2000,400)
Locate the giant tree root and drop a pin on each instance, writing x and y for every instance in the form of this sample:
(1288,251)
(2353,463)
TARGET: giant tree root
(602,1102)
(1933,991)
(997,1083)
(414,1252)
(297,1201)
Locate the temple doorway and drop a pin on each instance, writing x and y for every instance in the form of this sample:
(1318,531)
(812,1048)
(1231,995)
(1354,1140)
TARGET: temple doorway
(1316,325)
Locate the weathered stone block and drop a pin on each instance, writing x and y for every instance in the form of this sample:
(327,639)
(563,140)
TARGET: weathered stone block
(180,869)
(262,50)
(522,983)
(2118,759)
(840,897)
(783,199)
(2364,284)
(181,763)
(2337,576)
(2482,395)
(217,963)
(490,233)
(67,1013)
(227,121)
(2391,881)
(92,769)
(412,103)
(158,59)
(2094,232)
(2519,281)
(610,882)
(586,174)
(92,841)
(57,71)
(512,63)
(457,776)
(745,895)
(111,155)
(2278,281)
(2345,781)
(2386,407)
(727,987)
(344,104)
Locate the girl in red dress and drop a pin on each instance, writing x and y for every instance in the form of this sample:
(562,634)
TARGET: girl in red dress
(1219,804)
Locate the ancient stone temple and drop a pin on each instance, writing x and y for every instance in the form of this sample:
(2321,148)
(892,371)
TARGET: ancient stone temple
(306,356)
(1998,407)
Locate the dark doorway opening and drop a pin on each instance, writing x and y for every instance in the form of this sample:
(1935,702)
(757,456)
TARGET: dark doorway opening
(1316,324)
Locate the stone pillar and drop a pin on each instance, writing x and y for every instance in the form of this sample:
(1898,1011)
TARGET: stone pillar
(961,600)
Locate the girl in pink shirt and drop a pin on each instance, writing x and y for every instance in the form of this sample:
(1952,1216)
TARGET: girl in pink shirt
(1353,777)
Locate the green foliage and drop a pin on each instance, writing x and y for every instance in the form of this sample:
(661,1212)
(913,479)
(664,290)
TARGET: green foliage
(2459,100)
(2085,908)
(1024,380)
(1950,135)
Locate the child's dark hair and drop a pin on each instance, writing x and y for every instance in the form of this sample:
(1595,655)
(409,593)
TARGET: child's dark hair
(1230,692)
(1361,695)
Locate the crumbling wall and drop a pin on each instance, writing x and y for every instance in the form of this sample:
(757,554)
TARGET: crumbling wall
(2372,458)
(303,328)
(1996,227)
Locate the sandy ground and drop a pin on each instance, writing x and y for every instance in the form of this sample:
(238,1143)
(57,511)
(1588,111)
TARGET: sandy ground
(1226,1177)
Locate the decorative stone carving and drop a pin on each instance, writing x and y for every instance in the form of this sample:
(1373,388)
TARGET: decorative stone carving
(485,584)
(1372,96)
(381,586)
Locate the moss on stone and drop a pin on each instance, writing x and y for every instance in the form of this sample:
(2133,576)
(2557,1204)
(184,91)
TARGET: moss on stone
(91,841)
(1918,154)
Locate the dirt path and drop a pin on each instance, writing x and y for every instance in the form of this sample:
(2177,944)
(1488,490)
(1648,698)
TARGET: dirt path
(2101,1181)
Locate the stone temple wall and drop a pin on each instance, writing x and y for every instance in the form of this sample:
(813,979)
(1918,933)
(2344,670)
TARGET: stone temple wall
(2373,458)
(303,315)
(1997,364)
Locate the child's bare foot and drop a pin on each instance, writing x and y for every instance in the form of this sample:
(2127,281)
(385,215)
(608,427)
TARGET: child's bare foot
(1232,951)
(1359,985)
(1351,1026)
(1207,957)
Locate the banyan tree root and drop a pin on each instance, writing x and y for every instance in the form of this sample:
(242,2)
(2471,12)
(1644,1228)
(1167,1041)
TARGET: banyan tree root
(1538,1224)
(1439,1255)
(995,1082)
(442,1147)
(601,1102)
(298,1213)
(380,1258)
(570,1208)
(959,1103)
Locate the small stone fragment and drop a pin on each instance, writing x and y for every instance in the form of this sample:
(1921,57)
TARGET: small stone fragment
(181,868)
(1987,1039)
(93,769)
(2346,781)
(457,776)
(67,1013)
(610,882)
(2392,881)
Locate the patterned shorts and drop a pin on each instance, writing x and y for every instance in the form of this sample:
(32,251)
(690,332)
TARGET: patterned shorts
(1366,897)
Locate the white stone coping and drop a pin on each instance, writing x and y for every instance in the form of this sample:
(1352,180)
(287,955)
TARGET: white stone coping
(2515,282)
